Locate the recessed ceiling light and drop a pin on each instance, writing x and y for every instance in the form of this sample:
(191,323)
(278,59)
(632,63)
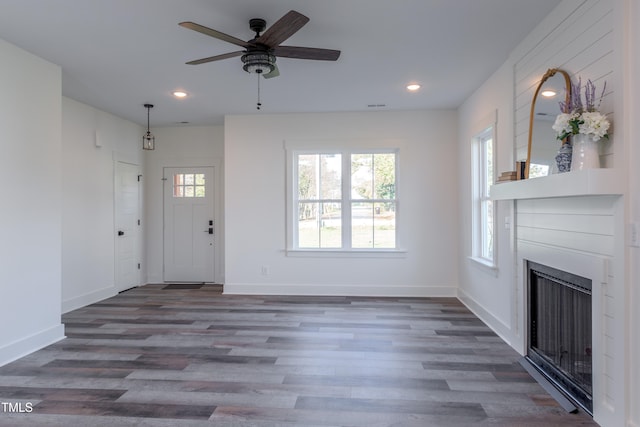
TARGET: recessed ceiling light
(179,94)
(548,93)
(413,87)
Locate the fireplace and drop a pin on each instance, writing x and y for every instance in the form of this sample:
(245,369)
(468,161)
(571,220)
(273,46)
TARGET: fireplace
(559,344)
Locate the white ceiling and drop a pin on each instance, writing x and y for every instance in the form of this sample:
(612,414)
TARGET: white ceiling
(117,55)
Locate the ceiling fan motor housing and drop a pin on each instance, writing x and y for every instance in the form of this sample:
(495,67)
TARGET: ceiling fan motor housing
(258,62)
(257,25)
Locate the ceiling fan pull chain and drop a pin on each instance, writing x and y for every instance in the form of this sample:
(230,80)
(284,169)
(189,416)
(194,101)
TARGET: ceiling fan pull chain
(258,105)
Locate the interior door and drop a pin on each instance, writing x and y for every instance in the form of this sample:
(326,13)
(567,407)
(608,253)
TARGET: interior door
(127,222)
(189,228)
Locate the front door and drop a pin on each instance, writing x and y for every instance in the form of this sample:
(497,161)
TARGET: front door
(189,245)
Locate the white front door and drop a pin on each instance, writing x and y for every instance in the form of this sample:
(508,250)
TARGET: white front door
(127,222)
(189,245)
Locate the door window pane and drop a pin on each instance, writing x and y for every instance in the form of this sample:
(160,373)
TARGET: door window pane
(189,185)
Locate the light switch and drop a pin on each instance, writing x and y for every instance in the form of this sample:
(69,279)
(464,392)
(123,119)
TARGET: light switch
(634,239)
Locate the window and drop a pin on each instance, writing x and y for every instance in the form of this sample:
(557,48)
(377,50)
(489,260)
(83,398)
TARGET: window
(188,185)
(483,206)
(344,200)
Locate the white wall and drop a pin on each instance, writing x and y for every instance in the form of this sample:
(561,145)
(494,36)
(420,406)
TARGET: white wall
(489,293)
(88,230)
(509,91)
(181,146)
(255,205)
(631,131)
(588,38)
(30,218)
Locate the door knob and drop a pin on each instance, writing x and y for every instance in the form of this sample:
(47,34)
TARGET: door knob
(120,233)
(210,230)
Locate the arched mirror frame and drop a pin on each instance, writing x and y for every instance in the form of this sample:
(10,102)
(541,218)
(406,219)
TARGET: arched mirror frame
(550,73)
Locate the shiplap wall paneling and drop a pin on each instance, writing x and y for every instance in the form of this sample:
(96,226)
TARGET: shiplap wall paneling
(583,225)
(581,44)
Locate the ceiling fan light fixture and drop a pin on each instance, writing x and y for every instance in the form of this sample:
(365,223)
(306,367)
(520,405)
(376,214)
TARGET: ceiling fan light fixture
(258,62)
(148,140)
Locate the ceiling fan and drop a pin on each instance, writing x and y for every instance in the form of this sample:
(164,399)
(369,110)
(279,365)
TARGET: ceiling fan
(259,54)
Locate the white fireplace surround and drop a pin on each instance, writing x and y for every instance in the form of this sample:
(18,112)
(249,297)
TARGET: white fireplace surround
(574,222)
(596,269)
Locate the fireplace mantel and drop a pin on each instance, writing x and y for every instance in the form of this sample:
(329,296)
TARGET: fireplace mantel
(591,182)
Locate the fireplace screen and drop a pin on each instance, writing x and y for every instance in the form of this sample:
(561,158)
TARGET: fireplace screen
(560,330)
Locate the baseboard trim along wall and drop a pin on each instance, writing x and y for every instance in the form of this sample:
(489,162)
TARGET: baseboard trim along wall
(338,290)
(498,326)
(28,345)
(88,298)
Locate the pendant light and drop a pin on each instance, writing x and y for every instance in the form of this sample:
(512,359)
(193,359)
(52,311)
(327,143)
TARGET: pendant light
(148,140)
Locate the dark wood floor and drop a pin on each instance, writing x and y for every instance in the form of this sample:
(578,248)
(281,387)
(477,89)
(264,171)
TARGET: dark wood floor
(188,356)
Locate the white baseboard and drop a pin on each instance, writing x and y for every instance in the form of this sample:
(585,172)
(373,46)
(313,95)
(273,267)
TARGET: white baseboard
(498,326)
(88,298)
(24,346)
(338,290)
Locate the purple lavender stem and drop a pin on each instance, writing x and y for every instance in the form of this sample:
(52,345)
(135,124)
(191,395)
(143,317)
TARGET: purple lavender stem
(601,95)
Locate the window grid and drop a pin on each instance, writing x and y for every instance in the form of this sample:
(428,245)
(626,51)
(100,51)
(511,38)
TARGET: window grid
(364,215)
(186,185)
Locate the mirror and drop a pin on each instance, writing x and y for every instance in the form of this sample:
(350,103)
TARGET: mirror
(543,144)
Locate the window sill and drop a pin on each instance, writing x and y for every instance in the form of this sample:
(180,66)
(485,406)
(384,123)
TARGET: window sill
(485,265)
(329,253)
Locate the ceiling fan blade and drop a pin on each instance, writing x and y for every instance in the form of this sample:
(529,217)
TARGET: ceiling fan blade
(274,73)
(215,58)
(284,28)
(213,33)
(306,53)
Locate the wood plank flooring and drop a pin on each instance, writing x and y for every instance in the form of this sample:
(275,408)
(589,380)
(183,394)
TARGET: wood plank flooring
(174,355)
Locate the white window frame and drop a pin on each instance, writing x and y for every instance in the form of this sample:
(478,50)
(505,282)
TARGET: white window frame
(483,229)
(292,153)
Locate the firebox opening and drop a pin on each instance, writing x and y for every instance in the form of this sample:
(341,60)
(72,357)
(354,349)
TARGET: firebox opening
(560,344)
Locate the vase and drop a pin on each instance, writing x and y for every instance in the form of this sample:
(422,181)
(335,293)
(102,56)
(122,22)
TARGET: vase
(563,158)
(585,153)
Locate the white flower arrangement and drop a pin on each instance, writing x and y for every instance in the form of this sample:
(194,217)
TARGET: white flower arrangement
(577,118)
(595,124)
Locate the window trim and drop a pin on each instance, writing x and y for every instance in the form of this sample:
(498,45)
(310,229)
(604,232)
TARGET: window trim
(479,197)
(292,151)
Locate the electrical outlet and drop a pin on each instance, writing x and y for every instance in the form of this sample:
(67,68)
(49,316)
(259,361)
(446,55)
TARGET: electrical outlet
(264,270)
